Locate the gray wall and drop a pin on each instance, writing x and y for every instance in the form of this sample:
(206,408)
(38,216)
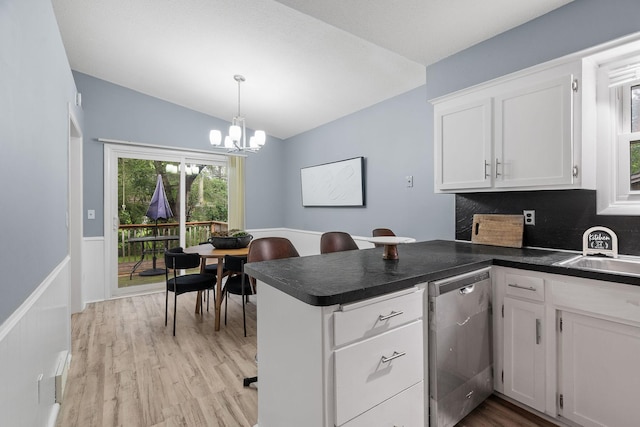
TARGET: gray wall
(395,138)
(578,25)
(36,86)
(115,112)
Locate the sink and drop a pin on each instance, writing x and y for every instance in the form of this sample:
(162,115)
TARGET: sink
(626,265)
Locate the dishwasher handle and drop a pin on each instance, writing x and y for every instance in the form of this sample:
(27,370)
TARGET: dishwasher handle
(467,289)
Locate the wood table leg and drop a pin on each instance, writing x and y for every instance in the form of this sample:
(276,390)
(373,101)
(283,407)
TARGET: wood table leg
(203,264)
(218,294)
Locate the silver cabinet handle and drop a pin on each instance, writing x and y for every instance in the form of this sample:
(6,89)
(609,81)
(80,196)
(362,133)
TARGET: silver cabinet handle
(486,165)
(497,164)
(465,321)
(395,355)
(390,315)
(538,331)
(526,288)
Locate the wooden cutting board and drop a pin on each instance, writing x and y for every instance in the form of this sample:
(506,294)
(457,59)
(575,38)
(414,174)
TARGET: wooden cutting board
(498,230)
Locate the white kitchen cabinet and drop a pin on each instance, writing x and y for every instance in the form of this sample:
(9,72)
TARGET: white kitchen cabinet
(524,363)
(533,135)
(464,145)
(341,365)
(520,344)
(600,373)
(598,344)
(519,132)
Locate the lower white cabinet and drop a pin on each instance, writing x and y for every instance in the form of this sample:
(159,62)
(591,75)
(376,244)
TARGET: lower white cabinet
(374,370)
(359,364)
(599,371)
(524,352)
(405,409)
(570,346)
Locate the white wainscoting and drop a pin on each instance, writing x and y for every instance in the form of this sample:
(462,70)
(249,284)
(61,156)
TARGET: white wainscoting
(33,341)
(94,274)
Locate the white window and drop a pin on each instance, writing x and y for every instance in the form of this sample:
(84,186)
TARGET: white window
(618,136)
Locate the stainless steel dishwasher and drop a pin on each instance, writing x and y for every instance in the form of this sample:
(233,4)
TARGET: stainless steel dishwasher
(460,362)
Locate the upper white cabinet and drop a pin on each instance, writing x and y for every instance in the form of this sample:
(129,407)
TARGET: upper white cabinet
(533,135)
(464,148)
(520,132)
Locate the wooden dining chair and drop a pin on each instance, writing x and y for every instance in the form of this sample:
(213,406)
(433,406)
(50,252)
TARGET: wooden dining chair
(336,241)
(174,260)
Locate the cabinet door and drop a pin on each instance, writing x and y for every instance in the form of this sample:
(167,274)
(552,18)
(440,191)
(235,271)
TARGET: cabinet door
(524,366)
(533,135)
(599,372)
(463,138)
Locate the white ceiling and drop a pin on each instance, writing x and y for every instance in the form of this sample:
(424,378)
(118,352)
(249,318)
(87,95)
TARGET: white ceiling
(306,62)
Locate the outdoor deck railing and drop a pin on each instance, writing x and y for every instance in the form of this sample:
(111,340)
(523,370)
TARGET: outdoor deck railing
(196,232)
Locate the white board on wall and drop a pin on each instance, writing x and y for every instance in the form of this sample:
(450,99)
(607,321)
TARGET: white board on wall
(334,184)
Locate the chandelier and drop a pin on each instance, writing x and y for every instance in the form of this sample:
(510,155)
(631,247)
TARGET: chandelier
(237,139)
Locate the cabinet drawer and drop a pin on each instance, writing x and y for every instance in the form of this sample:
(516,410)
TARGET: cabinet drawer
(404,409)
(369,372)
(366,319)
(527,287)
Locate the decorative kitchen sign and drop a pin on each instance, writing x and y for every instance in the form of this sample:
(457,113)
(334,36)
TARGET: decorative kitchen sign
(600,241)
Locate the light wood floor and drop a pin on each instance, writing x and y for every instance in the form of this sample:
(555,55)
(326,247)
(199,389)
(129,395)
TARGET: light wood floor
(128,370)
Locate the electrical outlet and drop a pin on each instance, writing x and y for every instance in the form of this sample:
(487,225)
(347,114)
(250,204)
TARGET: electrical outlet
(529,217)
(91,214)
(409,180)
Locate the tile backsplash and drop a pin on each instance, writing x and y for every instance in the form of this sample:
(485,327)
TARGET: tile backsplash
(562,216)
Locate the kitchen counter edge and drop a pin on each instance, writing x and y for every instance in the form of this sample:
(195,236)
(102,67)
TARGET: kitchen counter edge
(345,277)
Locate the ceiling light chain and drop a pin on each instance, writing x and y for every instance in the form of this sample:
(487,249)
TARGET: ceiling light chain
(236,140)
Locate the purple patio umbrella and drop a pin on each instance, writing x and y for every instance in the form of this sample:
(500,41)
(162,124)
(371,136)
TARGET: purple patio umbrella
(158,209)
(159,206)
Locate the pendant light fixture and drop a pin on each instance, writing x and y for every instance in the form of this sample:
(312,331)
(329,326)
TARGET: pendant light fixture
(236,140)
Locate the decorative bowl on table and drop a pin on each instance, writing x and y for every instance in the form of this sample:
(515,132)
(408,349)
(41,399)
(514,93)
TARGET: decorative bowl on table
(237,241)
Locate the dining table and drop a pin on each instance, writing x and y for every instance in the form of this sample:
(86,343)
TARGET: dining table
(207,251)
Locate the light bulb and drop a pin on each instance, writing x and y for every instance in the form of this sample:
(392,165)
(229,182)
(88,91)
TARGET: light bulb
(215,137)
(261,137)
(235,132)
(227,142)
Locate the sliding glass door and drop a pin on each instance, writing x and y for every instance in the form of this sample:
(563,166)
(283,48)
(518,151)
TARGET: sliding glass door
(157,199)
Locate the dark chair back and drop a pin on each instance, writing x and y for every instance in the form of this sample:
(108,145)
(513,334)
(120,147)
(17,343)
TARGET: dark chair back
(336,241)
(268,248)
(176,259)
(379,232)
(234,264)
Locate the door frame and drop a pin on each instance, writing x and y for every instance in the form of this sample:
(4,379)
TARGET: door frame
(113,151)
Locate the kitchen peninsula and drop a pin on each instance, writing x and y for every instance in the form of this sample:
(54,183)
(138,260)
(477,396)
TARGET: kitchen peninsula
(323,361)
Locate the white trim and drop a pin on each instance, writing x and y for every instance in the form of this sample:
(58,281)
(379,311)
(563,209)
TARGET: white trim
(20,313)
(112,152)
(75,209)
(167,147)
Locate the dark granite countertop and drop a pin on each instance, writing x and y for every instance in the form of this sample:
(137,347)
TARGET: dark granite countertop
(350,276)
